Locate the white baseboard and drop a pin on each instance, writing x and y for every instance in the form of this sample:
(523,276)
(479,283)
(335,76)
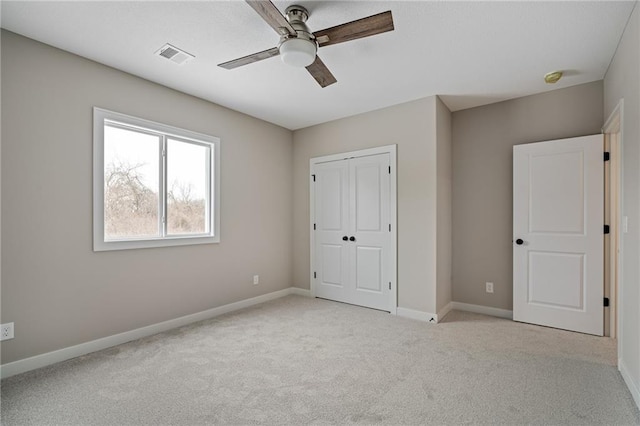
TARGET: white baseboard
(300,291)
(634,388)
(435,318)
(417,315)
(38,361)
(444,311)
(485,310)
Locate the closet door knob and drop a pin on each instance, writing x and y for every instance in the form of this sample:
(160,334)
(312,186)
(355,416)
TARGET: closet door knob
(352,238)
(519,241)
(345,238)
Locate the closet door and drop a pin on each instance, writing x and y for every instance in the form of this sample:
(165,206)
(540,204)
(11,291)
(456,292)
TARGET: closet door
(352,231)
(369,226)
(331,230)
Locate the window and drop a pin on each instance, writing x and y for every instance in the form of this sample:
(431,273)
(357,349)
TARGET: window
(154,185)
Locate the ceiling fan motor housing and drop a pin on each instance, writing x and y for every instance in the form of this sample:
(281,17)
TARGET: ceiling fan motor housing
(298,51)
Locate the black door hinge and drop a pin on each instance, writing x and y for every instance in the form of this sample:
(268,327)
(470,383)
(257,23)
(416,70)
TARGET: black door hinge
(314,226)
(314,177)
(389,227)
(389,285)
(607,229)
(314,274)
(389,169)
(607,156)
(606,302)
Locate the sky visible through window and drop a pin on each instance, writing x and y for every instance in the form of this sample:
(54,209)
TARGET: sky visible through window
(187,164)
(133,149)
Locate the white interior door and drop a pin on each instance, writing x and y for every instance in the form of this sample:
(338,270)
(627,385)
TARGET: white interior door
(352,235)
(331,227)
(369,227)
(558,204)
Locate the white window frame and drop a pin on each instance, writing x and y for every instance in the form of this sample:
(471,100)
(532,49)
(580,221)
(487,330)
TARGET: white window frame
(213,209)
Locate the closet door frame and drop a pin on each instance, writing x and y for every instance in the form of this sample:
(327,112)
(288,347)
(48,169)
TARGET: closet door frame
(393,252)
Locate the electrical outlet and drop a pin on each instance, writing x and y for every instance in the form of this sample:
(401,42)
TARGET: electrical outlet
(6,331)
(489,287)
(256,279)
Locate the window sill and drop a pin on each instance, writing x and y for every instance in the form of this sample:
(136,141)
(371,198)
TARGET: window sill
(154,243)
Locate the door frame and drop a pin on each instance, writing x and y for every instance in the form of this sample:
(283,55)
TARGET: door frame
(393,216)
(613,133)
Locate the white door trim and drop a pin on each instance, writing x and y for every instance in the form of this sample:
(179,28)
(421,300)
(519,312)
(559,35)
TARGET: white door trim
(393,217)
(614,125)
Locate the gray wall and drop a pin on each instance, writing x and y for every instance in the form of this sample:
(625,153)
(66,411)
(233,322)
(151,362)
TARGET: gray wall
(54,287)
(622,81)
(412,126)
(483,138)
(443,205)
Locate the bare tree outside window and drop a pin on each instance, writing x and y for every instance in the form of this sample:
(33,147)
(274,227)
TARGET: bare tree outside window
(131,184)
(130,208)
(187,186)
(186,214)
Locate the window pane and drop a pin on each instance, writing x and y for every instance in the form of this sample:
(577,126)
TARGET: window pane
(187,187)
(131,187)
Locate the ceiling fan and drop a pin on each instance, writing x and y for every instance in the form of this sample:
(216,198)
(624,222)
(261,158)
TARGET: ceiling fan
(298,45)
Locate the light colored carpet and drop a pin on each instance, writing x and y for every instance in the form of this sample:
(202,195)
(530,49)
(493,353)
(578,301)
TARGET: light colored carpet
(300,361)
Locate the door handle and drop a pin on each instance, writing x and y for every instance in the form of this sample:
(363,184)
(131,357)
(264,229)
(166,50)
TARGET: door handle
(352,238)
(519,241)
(345,238)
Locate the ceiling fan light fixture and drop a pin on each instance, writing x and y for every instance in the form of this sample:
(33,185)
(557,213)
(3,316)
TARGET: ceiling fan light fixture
(298,52)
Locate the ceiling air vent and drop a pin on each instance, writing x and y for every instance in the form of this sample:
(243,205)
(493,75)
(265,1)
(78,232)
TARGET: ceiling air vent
(174,54)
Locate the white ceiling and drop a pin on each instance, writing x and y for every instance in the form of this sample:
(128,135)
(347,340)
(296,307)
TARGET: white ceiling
(469,53)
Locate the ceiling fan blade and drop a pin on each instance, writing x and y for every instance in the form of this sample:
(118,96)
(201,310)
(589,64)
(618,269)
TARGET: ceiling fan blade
(365,27)
(270,13)
(321,73)
(249,59)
